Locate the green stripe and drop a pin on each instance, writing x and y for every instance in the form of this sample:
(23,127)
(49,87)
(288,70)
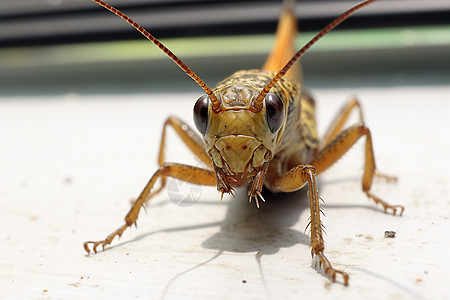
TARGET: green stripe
(219,46)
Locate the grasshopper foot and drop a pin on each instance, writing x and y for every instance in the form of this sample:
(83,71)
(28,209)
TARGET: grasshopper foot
(386,205)
(104,242)
(330,271)
(388,178)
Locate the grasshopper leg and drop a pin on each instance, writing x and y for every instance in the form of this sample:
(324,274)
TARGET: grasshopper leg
(190,139)
(340,120)
(338,124)
(284,45)
(300,175)
(339,146)
(182,172)
(293,180)
(195,144)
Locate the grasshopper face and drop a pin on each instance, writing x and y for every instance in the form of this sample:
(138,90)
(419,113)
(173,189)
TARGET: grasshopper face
(239,140)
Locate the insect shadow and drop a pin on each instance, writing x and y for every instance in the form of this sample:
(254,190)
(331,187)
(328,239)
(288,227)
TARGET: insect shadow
(247,229)
(266,230)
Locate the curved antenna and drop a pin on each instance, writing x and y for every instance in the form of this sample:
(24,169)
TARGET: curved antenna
(257,104)
(215,102)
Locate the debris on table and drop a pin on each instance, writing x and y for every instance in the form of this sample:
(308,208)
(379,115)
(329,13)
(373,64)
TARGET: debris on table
(389,234)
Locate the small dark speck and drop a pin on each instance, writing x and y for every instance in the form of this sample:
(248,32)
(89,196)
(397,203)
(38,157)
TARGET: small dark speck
(68,180)
(389,234)
(244,281)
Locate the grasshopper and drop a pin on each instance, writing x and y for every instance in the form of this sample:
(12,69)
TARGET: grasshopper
(258,128)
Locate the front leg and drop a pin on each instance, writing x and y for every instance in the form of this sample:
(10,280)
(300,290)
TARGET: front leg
(293,180)
(182,172)
(257,182)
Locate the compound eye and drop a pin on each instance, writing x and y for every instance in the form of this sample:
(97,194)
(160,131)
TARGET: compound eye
(274,112)
(201,114)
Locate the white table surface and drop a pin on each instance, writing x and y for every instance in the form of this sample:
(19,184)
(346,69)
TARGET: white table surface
(70,165)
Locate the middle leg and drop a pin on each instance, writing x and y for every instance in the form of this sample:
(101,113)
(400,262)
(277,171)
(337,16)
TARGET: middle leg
(190,139)
(339,146)
(340,120)
(182,172)
(337,125)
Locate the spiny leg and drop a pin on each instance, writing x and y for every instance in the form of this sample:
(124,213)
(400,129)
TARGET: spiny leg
(257,181)
(339,146)
(317,242)
(178,171)
(293,180)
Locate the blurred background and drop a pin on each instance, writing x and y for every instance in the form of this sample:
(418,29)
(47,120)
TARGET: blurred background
(74,46)
(83,99)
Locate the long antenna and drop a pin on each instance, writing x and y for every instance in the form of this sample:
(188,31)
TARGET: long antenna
(215,102)
(257,104)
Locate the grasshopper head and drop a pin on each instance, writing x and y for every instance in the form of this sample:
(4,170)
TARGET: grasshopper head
(238,139)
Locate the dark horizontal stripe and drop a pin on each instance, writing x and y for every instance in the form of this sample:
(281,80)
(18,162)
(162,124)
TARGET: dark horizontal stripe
(84,21)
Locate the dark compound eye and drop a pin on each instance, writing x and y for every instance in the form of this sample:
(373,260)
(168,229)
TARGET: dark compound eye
(274,111)
(201,114)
